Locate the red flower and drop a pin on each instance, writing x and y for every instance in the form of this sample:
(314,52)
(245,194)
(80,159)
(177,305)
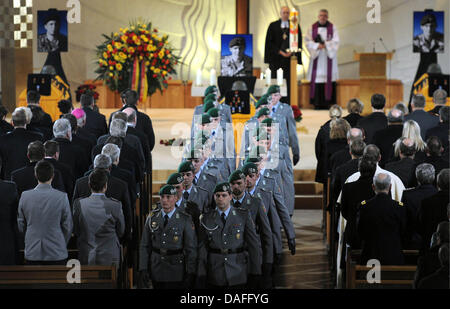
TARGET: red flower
(160,44)
(154,75)
(155,30)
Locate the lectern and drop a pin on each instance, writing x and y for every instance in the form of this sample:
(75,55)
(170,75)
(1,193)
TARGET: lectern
(372,74)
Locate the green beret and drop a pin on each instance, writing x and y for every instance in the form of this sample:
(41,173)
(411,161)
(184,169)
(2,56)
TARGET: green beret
(206,119)
(175,179)
(168,190)
(268,122)
(207,106)
(237,41)
(273,89)
(186,167)
(213,112)
(252,160)
(194,154)
(263,112)
(222,187)
(262,101)
(209,90)
(210,97)
(249,168)
(260,132)
(236,175)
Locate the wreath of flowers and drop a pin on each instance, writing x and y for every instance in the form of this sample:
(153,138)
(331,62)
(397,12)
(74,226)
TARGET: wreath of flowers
(138,58)
(86,89)
(297,113)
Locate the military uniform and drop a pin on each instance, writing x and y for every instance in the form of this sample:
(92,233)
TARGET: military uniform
(199,196)
(168,252)
(227,253)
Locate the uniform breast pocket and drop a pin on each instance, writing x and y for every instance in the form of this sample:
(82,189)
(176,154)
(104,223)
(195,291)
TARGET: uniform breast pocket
(237,234)
(175,237)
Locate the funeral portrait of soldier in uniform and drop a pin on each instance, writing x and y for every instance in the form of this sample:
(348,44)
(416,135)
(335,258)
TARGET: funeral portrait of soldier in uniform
(236,58)
(428,32)
(52,33)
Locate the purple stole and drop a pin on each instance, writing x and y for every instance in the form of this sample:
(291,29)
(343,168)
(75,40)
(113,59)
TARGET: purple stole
(328,86)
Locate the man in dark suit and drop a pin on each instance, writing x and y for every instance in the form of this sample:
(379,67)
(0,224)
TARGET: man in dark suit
(439,279)
(439,100)
(344,155)
(52,155)
(33,99)
(385,138)
(24,177)
(95,122)
(14,145)
(435,155)
(442,129)
(277,43)
(433,210)
(81,122)
(70,153)
(116,189)
(5,127)
(76,139)
(412,199)
(405,167)
(8,223)
(375,121)
(381,225)
(424,120)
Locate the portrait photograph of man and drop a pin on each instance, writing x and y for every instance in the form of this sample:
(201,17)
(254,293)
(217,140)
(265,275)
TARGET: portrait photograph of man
(236,56)
(428,32)
(52,31)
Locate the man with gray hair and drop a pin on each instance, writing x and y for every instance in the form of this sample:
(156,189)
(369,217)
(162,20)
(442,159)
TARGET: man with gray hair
(69,153)
(442,129)
(433,210)
(116,189)
(381,225)
(385,138)
(344,155)
(14,145)
(404,168)
(412,199)
(439,100)
(425,120)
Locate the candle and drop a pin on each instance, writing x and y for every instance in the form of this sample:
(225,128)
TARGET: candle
(199,77)
(261,76)
(212,77)
(280,77)
(268,77)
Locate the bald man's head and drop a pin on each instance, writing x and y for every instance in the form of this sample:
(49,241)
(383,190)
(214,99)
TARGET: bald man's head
(382,183)
(131,113)
(407,148)
(354,134)
(284,13)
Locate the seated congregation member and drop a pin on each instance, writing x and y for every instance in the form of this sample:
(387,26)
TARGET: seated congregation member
(24,177)
(258,213)
(433,209)
(343,156)
(33,100)
(353,193)
(442,129)
(402,107)
(14,145)
(5,127)
(116,189)
(98,223)
(192,193)
(168,249)
(428,262)
(439,100)
(95,122)
(397,186)
(411,130)
(381,225)
(405,167)
(65,107)
(424,120)
(235,262)
(144,123)
(76,139)
(70,153)
(35,124)
(435,154)
(322,138)
(385,138)
(45,218)
(51,149)
(439,279)
(355,108)
(80,115)
(376,121)
(338,140)
(9,248)
(412,199)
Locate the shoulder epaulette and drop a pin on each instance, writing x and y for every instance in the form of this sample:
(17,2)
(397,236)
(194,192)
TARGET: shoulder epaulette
(400,204)
(363,203)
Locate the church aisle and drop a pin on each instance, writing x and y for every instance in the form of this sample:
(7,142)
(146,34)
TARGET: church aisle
(309,267)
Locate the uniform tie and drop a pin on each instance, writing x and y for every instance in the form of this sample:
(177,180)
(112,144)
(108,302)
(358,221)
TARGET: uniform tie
(195,180)
(273,109)
(237,204)
(166,219)
(185,195)
(222,216)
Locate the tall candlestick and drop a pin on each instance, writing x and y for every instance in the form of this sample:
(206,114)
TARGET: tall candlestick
(280,77)
(268,76)
(212,77)
(199,77)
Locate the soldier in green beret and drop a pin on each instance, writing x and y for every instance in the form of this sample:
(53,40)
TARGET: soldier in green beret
(228,245)
(190,192)
(262,114)
(168,249)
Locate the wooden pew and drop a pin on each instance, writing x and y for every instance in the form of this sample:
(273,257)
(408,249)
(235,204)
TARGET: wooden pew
(391,276)
(55,277)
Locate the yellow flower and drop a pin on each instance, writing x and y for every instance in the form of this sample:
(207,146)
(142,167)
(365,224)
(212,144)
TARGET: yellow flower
(149,47)
(118,45)
(123,38)
(144,26)
(111,68)
(105,55)
(110,48)
(152,68)
(164,73)
(169,56)
(116,34)
(157,71)
(119,67)
(147,63)
(140,57)
(116,57)
(132,27)
(122,55)
(131,50)
(111,74)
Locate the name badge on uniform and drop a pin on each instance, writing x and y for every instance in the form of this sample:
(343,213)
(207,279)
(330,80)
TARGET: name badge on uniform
(238,235)
(284,36)
(175,238)
(154,225)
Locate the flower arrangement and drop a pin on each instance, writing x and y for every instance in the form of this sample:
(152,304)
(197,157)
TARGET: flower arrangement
(297,113)
(136,57)
(86,89)
(171,141)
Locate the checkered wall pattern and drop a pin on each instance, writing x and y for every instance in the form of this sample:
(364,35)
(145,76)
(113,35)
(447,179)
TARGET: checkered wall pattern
(16,23)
